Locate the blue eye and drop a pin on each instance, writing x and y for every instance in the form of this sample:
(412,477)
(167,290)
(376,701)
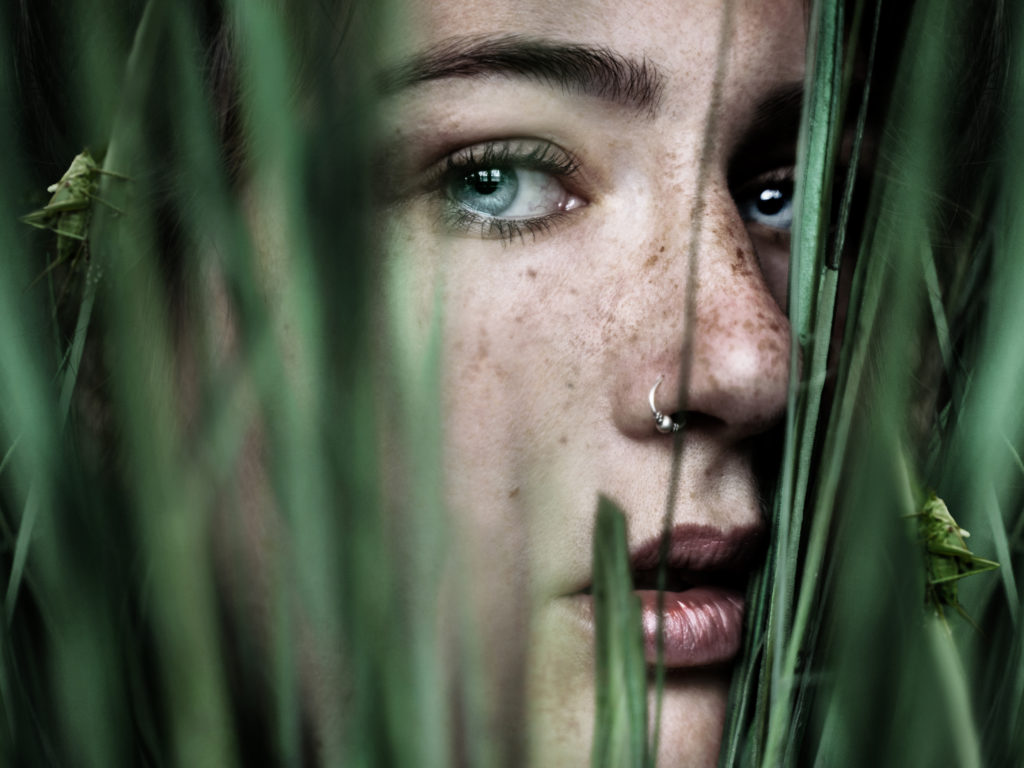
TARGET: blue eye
(504,189)
(509,193)
(768,202)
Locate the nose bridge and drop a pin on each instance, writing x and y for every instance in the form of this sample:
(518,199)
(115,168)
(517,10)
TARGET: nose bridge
(712,325)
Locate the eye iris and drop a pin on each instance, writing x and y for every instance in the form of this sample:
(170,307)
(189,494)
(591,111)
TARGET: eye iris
(488,190)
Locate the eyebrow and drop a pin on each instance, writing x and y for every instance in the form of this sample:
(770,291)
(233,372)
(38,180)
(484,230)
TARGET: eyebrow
(583,69)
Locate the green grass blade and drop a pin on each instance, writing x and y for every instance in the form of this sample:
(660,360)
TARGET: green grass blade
(620,728)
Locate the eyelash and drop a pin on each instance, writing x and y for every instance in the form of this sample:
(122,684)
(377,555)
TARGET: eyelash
(523,155)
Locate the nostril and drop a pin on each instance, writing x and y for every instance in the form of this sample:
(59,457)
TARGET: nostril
(687,420)
(697,421)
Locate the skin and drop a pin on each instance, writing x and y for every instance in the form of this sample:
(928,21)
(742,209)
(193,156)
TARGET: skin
(551,341)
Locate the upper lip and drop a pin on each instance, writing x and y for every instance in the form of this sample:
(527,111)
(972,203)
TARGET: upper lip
(698,555)
(702,548)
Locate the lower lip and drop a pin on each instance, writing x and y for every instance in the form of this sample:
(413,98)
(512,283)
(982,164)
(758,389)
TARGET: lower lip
(702,625)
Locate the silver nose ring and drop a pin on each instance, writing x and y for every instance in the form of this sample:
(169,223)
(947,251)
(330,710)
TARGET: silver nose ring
(662,421)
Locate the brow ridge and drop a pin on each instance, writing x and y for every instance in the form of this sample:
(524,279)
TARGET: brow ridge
(591,70)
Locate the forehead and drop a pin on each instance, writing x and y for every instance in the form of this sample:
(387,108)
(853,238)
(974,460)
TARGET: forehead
(682,38)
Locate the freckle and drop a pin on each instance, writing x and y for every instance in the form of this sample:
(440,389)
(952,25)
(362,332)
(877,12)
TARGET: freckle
(519,318)
(570,385)
(662,249)
(563,440)
(514,492)
(531,273)
(651,261)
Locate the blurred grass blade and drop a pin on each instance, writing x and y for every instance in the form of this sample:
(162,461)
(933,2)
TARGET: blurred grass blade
(31,511)
(620,728)
(850,66)
(1002,549)
(934,292)
(9,453)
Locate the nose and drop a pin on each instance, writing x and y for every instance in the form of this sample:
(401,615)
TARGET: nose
(712,329)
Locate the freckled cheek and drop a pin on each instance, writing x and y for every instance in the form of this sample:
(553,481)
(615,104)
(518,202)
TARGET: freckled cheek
(512,348)
(773,253)
(494,352)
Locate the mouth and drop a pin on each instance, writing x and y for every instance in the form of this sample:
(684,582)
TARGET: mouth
(702,606)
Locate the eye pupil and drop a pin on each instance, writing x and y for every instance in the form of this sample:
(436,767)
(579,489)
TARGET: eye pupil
(771,201)
(485,182)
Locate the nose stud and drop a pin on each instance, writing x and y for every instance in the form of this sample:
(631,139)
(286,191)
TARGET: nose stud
(662,422)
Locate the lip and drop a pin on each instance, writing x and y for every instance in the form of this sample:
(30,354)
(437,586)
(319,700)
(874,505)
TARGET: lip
(703,607)
(702,625)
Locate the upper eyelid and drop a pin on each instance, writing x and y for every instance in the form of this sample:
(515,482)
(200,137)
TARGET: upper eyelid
(398,178)
(538,154)
(779,174)
(761,155)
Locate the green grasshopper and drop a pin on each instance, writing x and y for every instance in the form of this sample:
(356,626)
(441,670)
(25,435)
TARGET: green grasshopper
(947,557)
(69,210)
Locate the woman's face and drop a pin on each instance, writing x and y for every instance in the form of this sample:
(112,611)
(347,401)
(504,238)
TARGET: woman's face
(583,197)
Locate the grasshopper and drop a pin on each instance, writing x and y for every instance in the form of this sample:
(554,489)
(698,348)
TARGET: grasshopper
(69,210)
(947,557)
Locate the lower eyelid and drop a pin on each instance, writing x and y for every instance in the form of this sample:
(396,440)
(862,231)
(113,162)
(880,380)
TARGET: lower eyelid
(464,221)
